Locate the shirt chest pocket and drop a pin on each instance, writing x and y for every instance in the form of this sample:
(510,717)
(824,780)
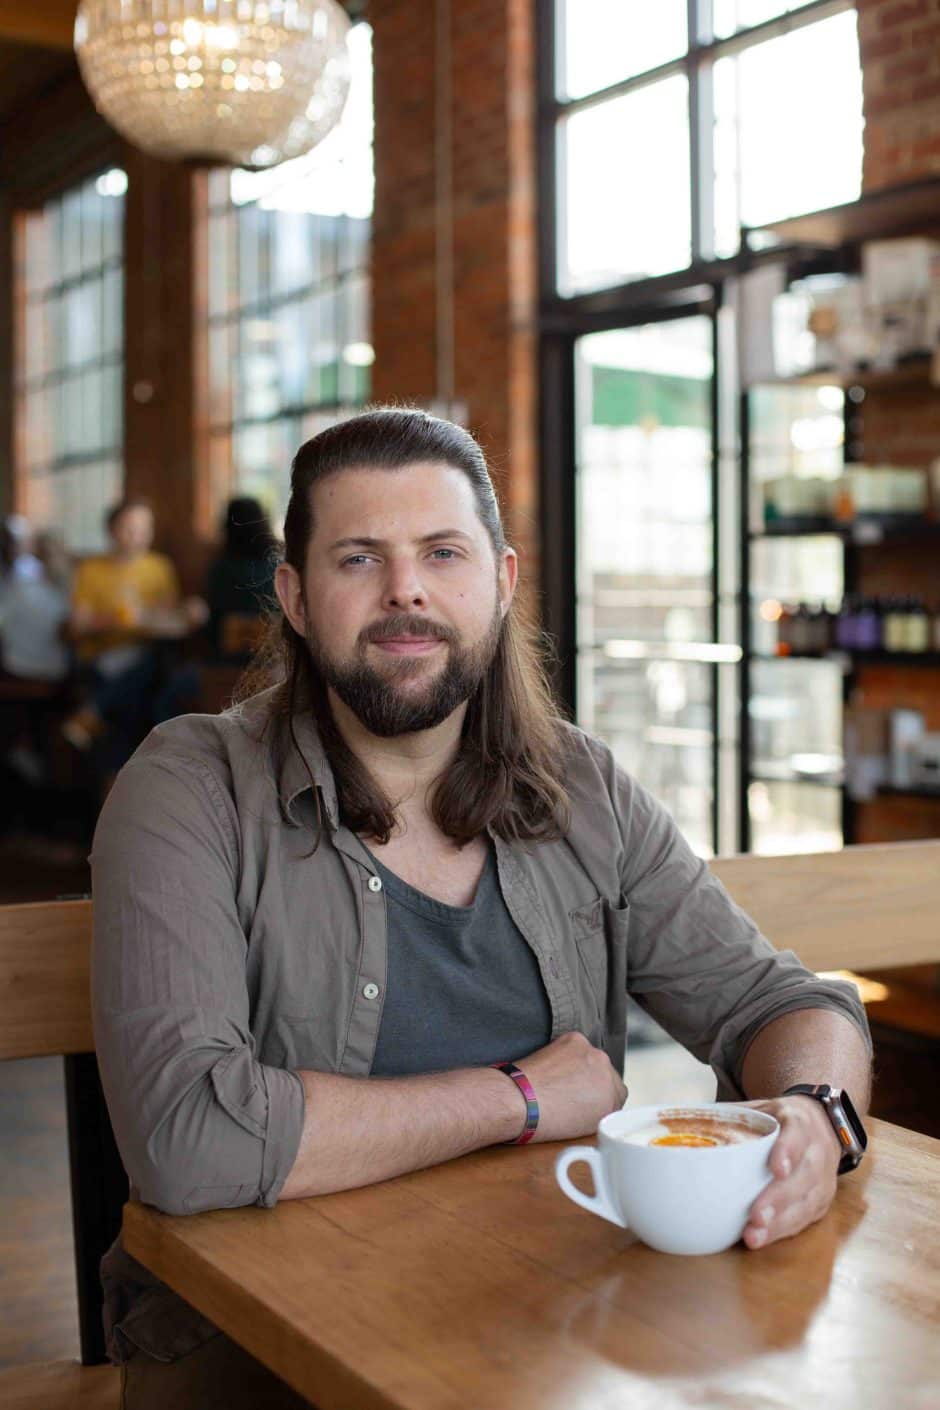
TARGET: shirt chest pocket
(600,933)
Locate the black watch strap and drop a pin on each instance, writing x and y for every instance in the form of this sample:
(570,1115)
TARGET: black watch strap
(843,1118)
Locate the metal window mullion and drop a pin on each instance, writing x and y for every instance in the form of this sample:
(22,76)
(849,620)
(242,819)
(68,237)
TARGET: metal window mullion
(712,50)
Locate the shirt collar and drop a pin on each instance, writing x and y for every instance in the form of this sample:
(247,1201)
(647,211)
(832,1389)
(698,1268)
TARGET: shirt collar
(294,769)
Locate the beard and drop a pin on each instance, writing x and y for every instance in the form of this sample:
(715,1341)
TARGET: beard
(382,699)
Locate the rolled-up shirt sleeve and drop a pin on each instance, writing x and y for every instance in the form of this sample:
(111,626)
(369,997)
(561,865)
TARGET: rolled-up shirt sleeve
(697,963)
(200,1123)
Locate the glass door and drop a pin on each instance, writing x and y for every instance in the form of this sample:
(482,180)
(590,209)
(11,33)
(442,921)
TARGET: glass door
(647,658)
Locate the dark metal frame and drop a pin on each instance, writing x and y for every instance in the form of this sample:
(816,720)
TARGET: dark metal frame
(696,290)
(99,1193)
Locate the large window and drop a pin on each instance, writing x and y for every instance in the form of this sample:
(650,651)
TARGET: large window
(288,317)
(669,141)
(69,359)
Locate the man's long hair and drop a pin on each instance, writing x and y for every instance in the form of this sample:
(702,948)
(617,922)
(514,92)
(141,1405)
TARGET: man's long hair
(507,773)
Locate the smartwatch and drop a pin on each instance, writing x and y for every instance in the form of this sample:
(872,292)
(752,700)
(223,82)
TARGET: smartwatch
(843,1118)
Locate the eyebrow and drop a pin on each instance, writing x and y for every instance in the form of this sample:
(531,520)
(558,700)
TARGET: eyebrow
(360,541)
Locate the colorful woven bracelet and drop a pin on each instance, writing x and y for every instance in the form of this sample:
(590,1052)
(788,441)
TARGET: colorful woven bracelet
(531,1101)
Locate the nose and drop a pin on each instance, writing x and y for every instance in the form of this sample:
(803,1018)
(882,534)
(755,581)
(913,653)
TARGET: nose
(403,588)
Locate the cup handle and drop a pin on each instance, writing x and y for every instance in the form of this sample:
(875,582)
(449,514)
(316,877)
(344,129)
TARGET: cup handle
(598,1203)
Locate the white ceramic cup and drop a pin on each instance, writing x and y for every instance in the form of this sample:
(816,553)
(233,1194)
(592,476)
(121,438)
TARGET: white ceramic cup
(679,1199)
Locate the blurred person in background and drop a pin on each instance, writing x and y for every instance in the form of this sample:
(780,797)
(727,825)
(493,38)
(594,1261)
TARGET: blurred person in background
(34,660)
(126,605)
(34,610)
(240,589)
(17,559)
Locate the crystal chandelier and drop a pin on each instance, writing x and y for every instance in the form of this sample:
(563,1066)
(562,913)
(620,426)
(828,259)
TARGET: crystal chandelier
(248,82)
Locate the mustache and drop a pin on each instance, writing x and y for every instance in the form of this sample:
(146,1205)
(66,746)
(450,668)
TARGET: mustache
(405,625)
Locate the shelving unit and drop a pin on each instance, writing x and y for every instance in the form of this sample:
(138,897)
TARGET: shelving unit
(866,542)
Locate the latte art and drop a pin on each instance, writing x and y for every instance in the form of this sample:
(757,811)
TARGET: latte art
(694,1130)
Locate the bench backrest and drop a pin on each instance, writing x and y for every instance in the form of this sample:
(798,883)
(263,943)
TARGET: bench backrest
(863,908)
(45,1011)
(45,970)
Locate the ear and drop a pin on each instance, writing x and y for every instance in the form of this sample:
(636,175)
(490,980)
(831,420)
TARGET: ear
(290,595)
(508,574)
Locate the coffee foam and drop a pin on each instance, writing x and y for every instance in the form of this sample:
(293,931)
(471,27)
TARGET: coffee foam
(700,1130)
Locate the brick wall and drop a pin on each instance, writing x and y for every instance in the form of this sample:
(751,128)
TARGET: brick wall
(491,151)
(900,51)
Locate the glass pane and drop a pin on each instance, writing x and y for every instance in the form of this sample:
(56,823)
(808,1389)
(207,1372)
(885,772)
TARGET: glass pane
(112,417)
(326,350)
(221,350)
(797,434)
(257,369)
(796,719)
(83,322)
(732,15)
(293,252)
(222,279)
(292,350)
(71,231)
(112,329)
(249,281)
(644,483)
(92,226)
(657,718)
(625,201)
(357,352)
(788,127)
(93,397)
(603,41)
(111,188)
(794,817)
(643,556)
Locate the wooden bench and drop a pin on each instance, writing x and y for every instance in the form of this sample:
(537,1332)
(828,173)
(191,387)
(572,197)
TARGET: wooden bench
(45,1010)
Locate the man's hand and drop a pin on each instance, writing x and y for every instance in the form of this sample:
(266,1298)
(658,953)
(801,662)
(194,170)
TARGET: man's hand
(575,1084)
(804,1163)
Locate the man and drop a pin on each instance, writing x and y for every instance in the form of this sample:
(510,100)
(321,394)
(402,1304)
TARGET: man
(322,917)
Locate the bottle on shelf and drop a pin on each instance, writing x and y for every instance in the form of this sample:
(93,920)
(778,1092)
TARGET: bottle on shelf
(820,630)
(918,626)
(868,625)
(845,626)
(895,624)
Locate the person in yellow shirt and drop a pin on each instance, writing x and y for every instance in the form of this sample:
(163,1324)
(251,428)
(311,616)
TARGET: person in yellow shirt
(124,602)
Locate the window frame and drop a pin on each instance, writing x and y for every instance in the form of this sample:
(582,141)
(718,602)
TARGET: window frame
(55,377)
(704,287)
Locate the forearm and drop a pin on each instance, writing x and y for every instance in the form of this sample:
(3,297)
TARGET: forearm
(808,1045)
(360,1130)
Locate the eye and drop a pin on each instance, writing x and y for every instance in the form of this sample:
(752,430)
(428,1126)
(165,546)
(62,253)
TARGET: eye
(448,551)
(356,560)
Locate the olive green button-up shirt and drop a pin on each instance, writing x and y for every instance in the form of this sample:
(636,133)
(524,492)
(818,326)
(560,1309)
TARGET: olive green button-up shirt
(229,955)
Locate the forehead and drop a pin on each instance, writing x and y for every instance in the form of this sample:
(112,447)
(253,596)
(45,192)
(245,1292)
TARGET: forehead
(137,514)
(407,502)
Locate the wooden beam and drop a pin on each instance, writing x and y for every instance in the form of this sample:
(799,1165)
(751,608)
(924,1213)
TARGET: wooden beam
(49,24)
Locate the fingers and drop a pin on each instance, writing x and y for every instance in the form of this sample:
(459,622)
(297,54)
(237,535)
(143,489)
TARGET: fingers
(803,1165)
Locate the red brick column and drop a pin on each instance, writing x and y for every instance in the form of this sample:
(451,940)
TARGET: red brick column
(466,134)
(899,42)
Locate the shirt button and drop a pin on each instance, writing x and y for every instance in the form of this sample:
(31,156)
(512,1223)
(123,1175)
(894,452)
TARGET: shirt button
(370,991)
(375,883)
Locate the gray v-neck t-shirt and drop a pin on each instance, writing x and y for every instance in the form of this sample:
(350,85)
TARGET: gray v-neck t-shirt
(463,987)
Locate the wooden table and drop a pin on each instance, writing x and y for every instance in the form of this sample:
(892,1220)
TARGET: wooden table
(478,1284)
